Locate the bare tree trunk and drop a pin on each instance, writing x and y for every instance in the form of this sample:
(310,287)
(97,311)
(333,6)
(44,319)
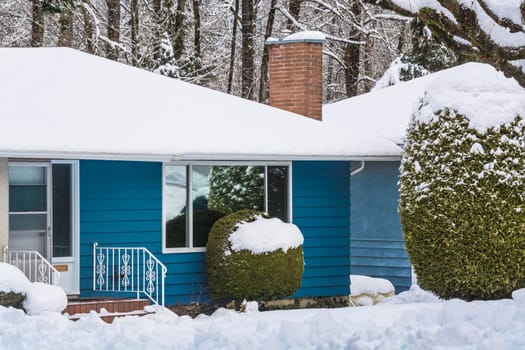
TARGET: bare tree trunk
(351,59)
(197,27)
(113,7)
(248,26)
(329,79)
(402,38)
(37,24)
(65,37)
(134,8)
(158,31)
(178,30)
(89,30)
(233,46)
(368,51)
(263,87)
(294,8)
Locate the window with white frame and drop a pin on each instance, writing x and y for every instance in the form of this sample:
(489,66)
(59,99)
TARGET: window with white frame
(197,195)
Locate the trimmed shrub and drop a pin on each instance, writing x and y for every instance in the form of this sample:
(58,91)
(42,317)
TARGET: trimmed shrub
(243,274)
(462,206)
(15,300)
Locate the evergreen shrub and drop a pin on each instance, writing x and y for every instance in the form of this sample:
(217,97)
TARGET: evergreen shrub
(244,275)
(13,299)
(462,206)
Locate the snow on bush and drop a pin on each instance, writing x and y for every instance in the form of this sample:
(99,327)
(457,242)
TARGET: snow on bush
(249,256)
(12,279)
(39,297)
(462,185)
(265,235)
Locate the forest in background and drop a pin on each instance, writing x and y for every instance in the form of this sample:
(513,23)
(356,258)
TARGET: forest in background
(220,43)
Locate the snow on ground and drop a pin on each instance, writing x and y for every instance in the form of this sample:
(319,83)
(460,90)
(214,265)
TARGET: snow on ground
(414,322)
(40,297)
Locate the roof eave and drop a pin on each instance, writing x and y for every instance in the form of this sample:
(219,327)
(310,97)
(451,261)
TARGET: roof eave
(193,156)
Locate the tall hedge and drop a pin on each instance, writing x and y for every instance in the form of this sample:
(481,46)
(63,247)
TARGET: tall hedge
(245,275)
(462,206)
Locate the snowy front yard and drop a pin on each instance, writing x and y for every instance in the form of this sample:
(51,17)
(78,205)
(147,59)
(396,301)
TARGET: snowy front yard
(411,320)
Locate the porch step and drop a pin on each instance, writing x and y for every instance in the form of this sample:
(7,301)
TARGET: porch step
(109,317)
(107,309)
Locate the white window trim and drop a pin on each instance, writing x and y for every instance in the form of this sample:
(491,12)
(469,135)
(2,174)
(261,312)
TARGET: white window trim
(190,165)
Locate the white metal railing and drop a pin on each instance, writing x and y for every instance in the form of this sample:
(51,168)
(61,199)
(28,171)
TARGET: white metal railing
(33,265)
(129,270)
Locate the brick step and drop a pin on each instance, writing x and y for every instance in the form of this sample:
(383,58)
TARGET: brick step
(109,317)
(84,306)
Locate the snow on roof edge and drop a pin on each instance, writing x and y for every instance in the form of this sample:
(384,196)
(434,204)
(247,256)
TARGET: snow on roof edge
(241,120)
(197,157)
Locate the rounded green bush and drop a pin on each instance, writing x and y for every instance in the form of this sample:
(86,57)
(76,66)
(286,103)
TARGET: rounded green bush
(462,206)
(244,275)
(13,299)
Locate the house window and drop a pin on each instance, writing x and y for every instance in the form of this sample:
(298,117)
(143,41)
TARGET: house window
(197,195)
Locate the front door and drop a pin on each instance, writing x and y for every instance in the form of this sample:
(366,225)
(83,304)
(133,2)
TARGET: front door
(43,214)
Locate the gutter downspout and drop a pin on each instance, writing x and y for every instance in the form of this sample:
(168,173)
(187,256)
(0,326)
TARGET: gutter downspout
(352,173)
(359,169)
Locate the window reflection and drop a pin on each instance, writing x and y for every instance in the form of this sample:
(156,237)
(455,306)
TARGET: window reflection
(175,211)
(216,191)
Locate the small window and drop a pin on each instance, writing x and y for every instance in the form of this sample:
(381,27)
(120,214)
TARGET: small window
(196,196)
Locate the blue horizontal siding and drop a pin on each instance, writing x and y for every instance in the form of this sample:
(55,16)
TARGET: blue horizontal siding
(121,205)
(377,246)
(321,209)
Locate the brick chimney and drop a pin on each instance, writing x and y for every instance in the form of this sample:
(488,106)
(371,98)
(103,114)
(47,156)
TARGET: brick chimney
(296,68)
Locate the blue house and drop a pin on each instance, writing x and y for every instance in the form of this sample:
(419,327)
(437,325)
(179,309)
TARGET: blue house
(105,173)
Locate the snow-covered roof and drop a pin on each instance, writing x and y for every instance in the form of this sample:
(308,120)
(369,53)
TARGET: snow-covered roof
(386,111)
(474,89)
(58,102)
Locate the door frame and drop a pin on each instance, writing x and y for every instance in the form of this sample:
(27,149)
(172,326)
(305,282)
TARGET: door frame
(74,260)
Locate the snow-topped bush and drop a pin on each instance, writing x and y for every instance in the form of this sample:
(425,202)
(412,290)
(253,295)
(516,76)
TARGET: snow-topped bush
(462,186)
(255,257)
(17,291)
